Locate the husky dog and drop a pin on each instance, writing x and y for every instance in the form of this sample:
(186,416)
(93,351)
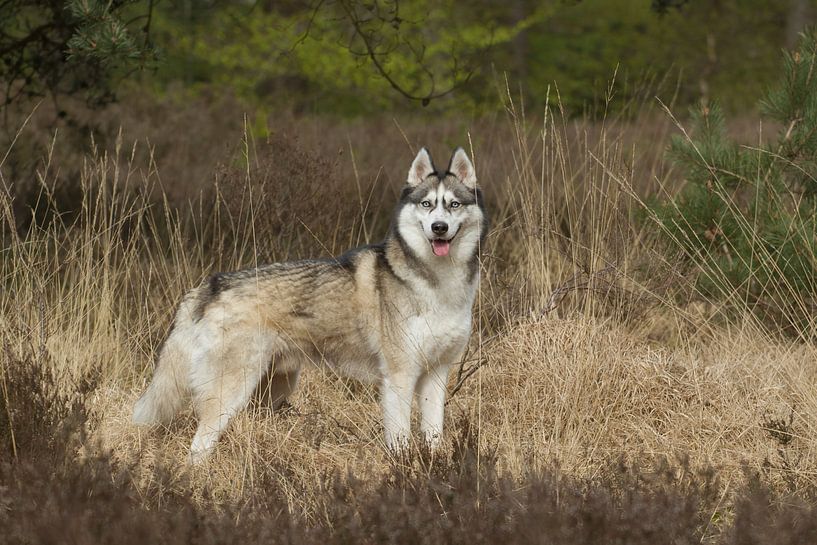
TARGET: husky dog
(398,312)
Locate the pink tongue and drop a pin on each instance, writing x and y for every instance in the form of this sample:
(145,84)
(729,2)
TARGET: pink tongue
(440,247)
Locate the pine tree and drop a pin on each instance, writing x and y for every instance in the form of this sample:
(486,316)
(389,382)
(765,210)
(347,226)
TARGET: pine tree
(746,216)
(100,34)
(73,48)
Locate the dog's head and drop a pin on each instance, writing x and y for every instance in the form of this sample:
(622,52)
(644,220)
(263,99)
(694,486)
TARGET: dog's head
(441,212)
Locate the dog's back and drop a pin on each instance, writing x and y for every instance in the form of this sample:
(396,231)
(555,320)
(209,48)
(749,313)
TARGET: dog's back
(297,309)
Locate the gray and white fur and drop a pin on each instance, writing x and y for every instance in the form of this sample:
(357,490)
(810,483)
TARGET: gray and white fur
(397,313)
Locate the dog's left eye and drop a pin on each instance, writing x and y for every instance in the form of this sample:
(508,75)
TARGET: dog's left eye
(426,204)
(455,204)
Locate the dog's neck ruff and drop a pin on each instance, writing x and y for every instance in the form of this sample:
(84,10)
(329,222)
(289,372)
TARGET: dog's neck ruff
(423,262)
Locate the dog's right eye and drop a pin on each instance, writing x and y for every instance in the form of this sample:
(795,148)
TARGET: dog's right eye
(426,204)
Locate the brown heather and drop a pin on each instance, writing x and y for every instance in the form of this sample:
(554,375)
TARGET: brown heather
(602,400)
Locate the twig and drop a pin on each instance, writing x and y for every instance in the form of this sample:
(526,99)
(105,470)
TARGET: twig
(370,52)
(463,372)
(573,284)
(302,38)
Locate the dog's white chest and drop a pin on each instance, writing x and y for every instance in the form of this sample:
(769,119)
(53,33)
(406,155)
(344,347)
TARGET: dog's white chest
(433,336)
(443,326)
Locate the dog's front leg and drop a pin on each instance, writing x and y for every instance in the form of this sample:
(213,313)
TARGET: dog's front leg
(397,393)
(431,392)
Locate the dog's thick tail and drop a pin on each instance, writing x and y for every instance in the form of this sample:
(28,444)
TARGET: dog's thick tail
(170,385)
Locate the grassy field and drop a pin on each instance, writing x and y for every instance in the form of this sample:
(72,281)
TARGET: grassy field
(602,399)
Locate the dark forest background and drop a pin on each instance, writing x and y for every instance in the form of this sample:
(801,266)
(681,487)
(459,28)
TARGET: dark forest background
(360,58)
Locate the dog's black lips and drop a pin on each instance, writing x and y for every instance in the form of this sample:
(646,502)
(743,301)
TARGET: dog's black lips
(444,239)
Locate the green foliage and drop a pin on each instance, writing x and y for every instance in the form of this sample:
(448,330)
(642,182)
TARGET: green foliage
(747,215)
(353,57)
(78,48)
(100,35)
(794,103)
(340,56)
(350,57)
(680,50)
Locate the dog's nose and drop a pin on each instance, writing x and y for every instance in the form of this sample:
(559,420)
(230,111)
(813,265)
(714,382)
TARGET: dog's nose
(439,227)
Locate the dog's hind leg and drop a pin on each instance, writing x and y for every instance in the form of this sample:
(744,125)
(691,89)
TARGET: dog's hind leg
(222,388)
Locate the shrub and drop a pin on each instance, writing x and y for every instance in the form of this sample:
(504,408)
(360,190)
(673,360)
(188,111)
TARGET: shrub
(746,216)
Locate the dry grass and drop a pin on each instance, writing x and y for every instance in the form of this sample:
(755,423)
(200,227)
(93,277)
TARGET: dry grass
(621,362)
(587,391)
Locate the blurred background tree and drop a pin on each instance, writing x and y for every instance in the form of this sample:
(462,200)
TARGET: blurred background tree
(311,56)
(342,56)
(359,57)
(80,47)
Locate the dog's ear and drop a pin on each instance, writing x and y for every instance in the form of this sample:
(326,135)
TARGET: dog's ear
(461,167)
(420,169)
